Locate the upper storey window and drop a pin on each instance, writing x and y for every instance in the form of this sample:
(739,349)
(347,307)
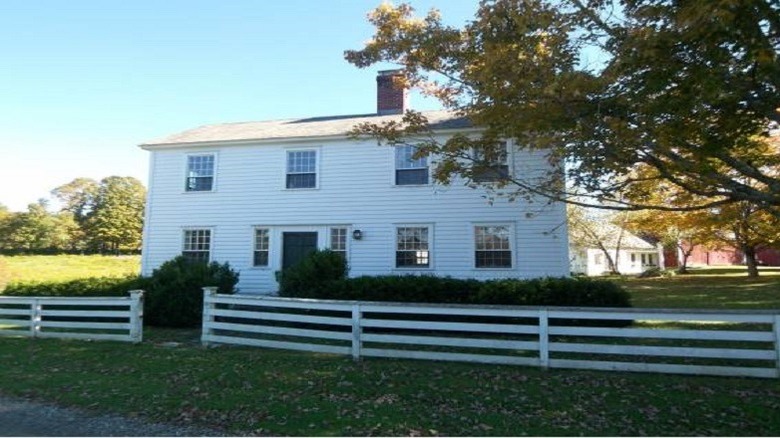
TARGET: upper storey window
(301,169)
(491,168)
(410,170)
(200,173)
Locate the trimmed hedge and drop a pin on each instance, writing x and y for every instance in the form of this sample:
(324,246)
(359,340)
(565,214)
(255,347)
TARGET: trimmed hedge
(82,287)
(577,292)
(323,275)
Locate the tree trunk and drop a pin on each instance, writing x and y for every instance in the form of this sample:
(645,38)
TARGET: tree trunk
(611,263)
(750,261)
(611,266)
(683,269)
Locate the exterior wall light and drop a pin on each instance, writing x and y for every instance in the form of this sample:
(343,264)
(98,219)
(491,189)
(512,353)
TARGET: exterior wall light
(357,234)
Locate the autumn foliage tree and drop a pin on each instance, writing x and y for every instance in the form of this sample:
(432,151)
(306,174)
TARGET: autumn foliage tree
(686,88)
(683,231)
(741,225)
(747,227)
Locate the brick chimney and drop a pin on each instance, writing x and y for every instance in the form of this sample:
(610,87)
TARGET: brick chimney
(389,98)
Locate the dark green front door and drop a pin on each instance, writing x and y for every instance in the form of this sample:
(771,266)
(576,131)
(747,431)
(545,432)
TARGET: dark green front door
(296,246)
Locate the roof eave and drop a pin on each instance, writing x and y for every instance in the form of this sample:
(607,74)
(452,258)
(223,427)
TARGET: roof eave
(273,140)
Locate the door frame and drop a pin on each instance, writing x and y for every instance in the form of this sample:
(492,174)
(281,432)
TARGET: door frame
(283,241)
(276,231)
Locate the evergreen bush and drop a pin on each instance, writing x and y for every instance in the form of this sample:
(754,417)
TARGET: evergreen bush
(174,294)
(314,276)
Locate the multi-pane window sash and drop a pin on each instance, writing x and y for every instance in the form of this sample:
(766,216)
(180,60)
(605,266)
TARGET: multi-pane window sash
(197,245)
(493,168)
(338,241)
(301,169)
(492,248)
(410,170)
(262,247)
(412,247)
(200,173)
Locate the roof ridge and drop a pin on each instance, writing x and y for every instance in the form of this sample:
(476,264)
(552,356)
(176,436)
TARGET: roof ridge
(308,127)
(334,117)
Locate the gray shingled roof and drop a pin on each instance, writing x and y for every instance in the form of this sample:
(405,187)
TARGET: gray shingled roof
(297,128)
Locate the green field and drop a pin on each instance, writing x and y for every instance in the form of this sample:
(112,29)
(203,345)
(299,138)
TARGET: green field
(39,268)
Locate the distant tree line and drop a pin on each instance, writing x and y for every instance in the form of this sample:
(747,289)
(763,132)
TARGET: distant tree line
(96,217)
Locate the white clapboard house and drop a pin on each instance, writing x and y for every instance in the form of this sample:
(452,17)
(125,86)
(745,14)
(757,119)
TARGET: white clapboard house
(261,195)
(631,253)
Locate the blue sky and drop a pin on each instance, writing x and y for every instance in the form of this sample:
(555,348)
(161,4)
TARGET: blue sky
(82,83)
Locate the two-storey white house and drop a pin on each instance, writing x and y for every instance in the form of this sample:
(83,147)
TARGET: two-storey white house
(261,195)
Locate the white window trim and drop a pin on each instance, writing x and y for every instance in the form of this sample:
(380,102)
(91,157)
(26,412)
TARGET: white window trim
(510,160)
(186,169)
(197,228)
(512,245)
(317,167)
(431,248)
(394,169)
(270,247)
(348,244)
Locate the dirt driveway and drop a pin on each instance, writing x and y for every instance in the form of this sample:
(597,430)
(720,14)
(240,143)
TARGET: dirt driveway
(27,418)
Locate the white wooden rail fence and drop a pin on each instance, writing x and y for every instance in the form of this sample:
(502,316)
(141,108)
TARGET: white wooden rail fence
(98,318)
(731,343)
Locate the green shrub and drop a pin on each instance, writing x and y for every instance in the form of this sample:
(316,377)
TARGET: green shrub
(313,276)
(404,288)
(174,294)
(83,287)
(575,292)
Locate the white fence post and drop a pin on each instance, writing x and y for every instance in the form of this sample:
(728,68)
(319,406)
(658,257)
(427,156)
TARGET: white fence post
(356,331)
(136,315)
(35,318)
(544,339)
(208,318)
(777,343)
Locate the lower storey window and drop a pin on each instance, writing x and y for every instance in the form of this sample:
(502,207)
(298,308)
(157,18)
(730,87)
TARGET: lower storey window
(412,247)
(338,241)
(492,248)
(197,245)
(262,247)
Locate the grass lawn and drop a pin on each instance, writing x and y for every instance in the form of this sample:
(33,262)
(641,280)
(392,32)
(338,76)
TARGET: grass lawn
(271,392)
(719,288)
(259,391)
(65,267)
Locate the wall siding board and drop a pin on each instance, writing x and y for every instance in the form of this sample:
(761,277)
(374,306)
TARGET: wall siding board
(355,189)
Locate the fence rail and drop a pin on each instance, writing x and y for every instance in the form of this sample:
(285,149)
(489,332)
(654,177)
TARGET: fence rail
(732,343)
(99,318)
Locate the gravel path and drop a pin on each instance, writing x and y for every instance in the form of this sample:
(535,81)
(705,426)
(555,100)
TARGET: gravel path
(27,418)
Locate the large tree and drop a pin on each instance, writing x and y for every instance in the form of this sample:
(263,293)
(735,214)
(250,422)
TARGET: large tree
(687,88)
(742,225)
(748,228)
(37,229)
(78,197)
(116,218)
